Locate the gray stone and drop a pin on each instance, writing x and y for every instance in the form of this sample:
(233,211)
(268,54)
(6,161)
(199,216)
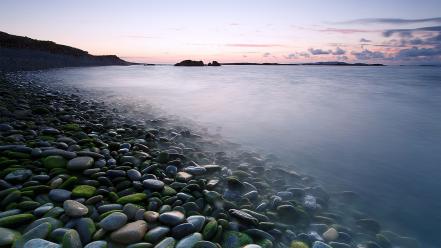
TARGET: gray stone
(198,222)
(40,243)
(113,221)
(172,218)
(80,163)
(59,195)
(166,243)
(153,184)
(97,244)
(74,209)
(130,233)
(189,241)
(156,234)
(134,175)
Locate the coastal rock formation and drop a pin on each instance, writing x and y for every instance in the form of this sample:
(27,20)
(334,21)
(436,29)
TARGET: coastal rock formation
(18,53)
(214,63)
(190,63)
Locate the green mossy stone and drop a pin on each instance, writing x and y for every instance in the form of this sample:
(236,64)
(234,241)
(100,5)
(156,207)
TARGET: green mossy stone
(210,229)
(218,236)
(133,198)
(69,183)
(71,239)
(28,205)
(54,161)
(37,189)
(54,223)
(16,220)
(47,138)
(71,127)
(104,215)
(168,191)
(298,244)
(18,155)
(13,196)
(85,191)
(163,157)
(8,236)
(234,239)
(265,243)
(113,197)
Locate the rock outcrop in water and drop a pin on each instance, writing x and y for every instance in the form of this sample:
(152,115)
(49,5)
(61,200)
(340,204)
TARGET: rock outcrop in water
(23,53)
(75,173)
(190,63)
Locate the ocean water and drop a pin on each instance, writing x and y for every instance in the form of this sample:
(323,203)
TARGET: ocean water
(372,130)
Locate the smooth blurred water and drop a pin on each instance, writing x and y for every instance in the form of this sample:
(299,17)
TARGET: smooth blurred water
(373,130)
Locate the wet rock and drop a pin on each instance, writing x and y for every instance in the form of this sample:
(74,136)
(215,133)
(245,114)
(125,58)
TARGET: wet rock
(74,209)
(166,243)
(8,236)
(97,244)
(189,241)
(330,235)
(319,244)
(85,228)
(172,218)
(153,184)
(80,163)
(243,216)
(197,221)
(130,233)
(113,221)
(71,239)
(156,234)
(182,230)
(40,243)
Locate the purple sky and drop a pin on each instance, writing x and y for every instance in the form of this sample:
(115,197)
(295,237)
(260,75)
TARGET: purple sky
(391,32)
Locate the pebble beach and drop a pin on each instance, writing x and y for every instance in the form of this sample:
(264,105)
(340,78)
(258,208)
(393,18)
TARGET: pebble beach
(76,172)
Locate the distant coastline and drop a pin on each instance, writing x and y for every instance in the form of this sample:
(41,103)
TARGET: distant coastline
(316,63)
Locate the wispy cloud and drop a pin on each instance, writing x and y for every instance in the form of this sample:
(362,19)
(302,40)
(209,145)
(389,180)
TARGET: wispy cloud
(391,21)
(346,30)
(408,32)
(368,55)
(252,45)
(363,40)
(337,51)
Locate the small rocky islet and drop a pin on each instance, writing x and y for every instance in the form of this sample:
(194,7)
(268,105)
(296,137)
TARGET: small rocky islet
(75,173)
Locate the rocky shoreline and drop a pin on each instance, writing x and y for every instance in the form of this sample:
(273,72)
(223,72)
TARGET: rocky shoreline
(76,173)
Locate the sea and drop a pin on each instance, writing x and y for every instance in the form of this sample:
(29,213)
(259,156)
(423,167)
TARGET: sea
(372,130)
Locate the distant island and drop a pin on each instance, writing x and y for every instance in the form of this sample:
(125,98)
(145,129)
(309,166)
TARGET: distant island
(196,63)
(316,63)
(23,53)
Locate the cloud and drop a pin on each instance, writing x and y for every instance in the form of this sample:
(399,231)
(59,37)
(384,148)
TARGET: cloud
(346,30)
(408,32)
(319,51)
(367,55)
(363,40)
(252,45)
(416,52)
(291,56)
(266,54)
(342,57)
(338,51)
(391,21)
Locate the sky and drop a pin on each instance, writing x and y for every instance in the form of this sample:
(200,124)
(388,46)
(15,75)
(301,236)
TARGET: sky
(283,31)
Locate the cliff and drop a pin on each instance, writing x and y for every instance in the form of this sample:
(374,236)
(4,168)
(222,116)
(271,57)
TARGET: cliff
(23,53)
